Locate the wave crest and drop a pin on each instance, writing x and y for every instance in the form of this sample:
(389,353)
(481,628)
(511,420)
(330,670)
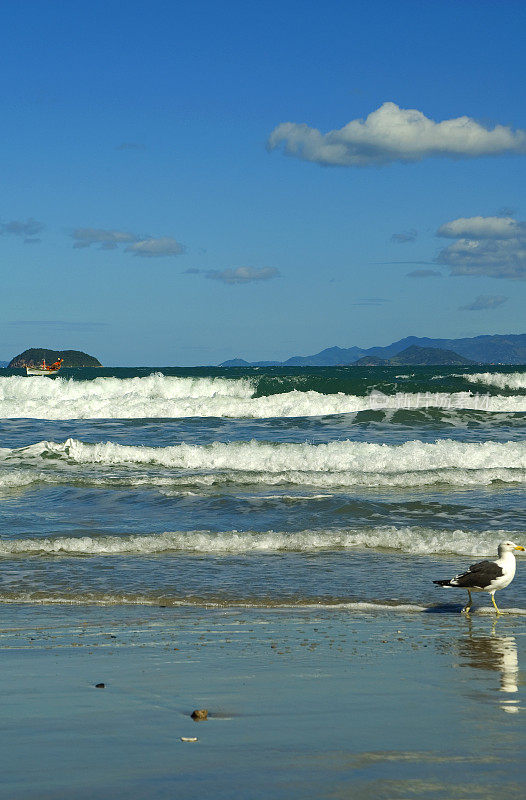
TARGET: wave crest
(338,456)
(340,463)
(412,540)
(502,380)
(164,396)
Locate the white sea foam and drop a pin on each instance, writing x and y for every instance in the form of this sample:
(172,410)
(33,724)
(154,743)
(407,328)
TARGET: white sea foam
(411,539)
(100,599)
(511,380)
(105,599)
(338,456)
(178,484)
(157,396)
(17,478)
(339,463)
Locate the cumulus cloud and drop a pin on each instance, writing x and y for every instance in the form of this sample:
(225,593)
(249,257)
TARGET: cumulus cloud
(392,134)
(480,228)
(107,239)
(236,274)
(424,273)
(403,238)
(484,302)
(155,248)
(491,246)
(27,229)
(242,274)
(138,245)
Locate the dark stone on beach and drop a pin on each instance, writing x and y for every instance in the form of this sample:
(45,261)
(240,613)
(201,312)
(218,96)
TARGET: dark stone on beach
(199,714)
(100,686)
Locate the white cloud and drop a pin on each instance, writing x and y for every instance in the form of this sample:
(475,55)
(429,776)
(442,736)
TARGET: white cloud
(242,274)
(424,273)
(236,274)
(391,134)
(108,239)
(491,246)
(480,228)
(403,238)
(485,302)
(28,229)
(155,248)
(138,245)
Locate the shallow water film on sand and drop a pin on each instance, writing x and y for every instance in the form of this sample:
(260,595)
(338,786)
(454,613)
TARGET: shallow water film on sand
(142,509)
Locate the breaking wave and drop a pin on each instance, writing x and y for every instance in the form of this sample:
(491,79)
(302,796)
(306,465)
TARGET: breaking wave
(458,478)
(511,380)
(339,463)
(164,396)
(411,539)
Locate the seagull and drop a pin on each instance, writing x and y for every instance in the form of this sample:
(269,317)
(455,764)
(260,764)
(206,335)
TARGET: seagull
(487,576)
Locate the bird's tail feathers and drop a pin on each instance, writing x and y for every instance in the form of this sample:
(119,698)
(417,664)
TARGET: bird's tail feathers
(446,582)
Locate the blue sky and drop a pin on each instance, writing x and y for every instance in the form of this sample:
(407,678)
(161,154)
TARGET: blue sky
(145,219)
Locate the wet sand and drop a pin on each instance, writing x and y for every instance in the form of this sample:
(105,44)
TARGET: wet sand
(302,704)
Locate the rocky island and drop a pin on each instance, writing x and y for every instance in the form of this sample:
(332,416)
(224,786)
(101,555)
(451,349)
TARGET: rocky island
(35,356)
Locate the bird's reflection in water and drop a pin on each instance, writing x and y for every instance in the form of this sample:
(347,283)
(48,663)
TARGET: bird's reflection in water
(496,653)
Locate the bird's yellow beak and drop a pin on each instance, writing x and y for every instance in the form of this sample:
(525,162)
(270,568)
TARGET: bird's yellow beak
(519,547)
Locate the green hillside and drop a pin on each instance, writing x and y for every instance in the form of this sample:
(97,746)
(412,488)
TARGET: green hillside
(416,356)
(72,358)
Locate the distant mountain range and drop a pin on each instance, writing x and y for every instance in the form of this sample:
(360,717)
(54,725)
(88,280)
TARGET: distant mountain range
(497,349)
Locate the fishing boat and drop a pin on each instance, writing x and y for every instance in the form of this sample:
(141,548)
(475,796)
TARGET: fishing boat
(45,369)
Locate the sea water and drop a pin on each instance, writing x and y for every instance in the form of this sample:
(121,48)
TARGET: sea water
(334,487)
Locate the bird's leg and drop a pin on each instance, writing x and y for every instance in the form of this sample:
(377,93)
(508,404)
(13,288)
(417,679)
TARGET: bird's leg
(467,607)
(494,603)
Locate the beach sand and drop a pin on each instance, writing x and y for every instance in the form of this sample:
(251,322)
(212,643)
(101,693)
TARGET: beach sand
(303,703)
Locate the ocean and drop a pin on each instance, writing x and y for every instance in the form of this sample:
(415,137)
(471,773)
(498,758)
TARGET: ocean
(261,487)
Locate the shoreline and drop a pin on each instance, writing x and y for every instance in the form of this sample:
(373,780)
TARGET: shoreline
(302,703)
(358,607)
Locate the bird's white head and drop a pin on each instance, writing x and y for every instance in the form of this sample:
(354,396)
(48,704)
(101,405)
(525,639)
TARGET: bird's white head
(509,547)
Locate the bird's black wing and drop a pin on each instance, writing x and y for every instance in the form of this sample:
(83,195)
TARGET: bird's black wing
(478,575)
